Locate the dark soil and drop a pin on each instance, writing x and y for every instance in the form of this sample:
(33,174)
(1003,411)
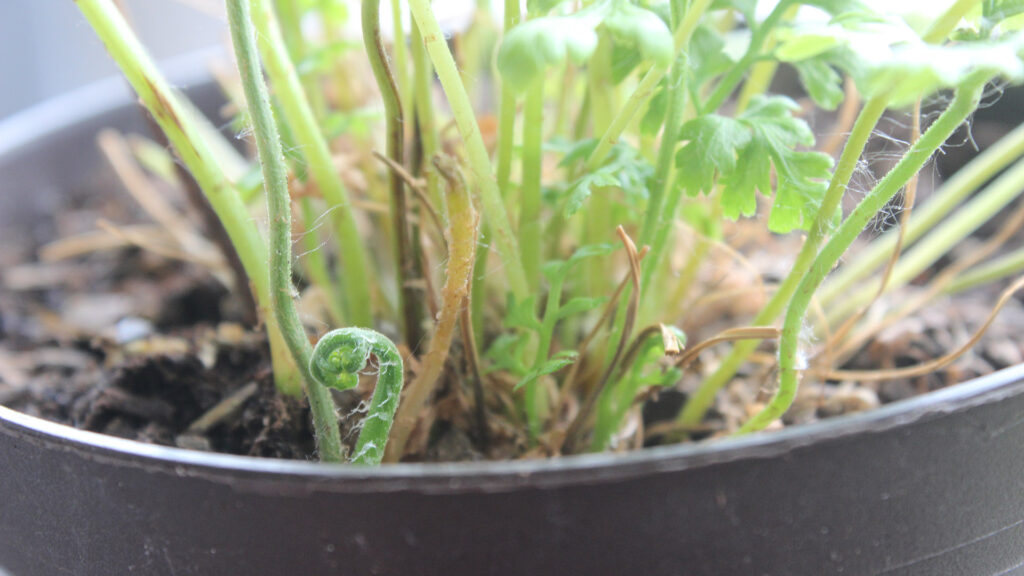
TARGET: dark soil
(113,360)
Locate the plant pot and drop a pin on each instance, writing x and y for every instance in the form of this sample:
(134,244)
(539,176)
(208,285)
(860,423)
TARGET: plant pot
(932,486)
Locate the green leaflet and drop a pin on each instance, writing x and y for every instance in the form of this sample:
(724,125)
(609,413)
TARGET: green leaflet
(713,142)
(919,70)
(522,315)
(625,168)
(821,82)
(882,53)
(806,46)
(505,354)
(579,305)
(739,154)
(708,57)
(556,271)
(584,186)
(551,365)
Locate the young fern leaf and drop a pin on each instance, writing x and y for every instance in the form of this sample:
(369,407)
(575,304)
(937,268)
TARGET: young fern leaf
(337,359)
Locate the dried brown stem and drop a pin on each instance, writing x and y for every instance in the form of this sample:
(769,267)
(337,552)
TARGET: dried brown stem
(1012,225)
(417,189)
(461,249)
(730,335)
(570,379)
(932,365)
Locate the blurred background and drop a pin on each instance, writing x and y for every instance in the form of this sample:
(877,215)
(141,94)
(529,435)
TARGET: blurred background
(46,47)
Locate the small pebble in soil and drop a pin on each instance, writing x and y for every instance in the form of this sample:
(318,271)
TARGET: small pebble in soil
(132,328)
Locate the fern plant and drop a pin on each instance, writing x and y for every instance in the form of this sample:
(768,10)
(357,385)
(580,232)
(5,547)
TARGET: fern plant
(566,184)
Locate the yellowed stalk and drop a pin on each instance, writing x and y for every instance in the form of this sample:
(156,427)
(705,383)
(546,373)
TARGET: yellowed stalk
(461,236)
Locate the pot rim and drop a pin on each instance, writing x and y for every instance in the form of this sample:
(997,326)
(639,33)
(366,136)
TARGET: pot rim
(51,116)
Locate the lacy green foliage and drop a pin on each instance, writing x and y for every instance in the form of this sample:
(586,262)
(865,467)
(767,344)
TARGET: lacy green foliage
(739,153)
(338,358)
(508,351)
(626,169)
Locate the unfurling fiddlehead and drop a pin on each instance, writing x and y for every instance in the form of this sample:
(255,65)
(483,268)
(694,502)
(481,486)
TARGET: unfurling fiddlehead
(338,358)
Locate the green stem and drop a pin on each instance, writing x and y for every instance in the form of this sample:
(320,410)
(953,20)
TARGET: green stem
(400,70)
(645,89)
(598,223)
(422,75)
(506,135)
(964,103)
(534,401)
(947,21)
(275,180)
(299,115)
(405,270)
(761,73)
(964,183)
(186,135)
(655,219)
(289,14)
(614,402)
(735,75)
(939,241)
(479,162)
(478,300)
(338,358)
(988,272)
(697,405)
(507,114)
(530,199)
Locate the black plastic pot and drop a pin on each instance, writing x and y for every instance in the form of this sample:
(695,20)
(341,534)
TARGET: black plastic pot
(931,486)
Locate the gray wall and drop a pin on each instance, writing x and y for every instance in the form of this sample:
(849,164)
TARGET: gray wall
(47,47)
